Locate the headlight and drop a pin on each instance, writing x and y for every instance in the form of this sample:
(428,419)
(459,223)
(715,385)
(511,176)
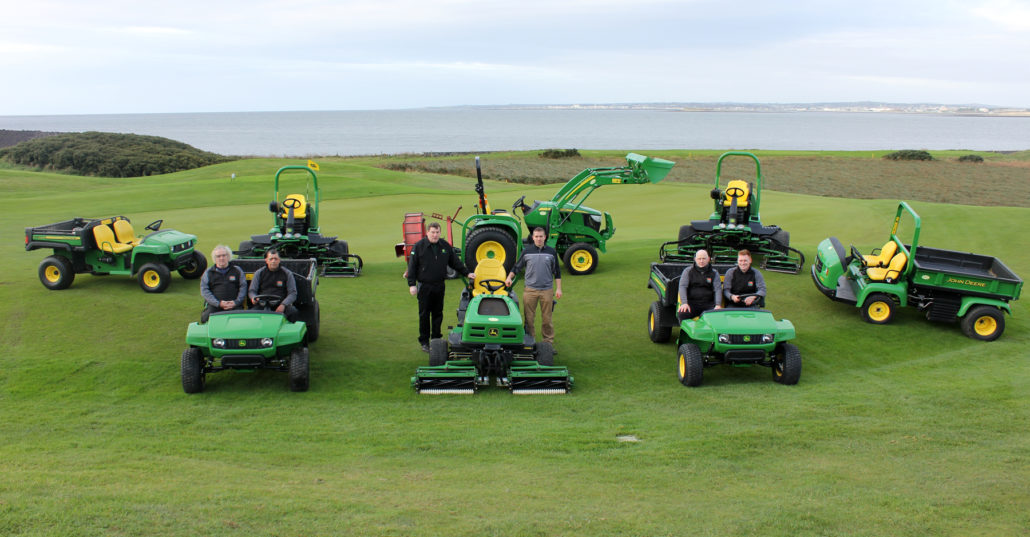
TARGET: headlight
(724,338)
(768,338)
(267,342)
(278,235)
(219,342)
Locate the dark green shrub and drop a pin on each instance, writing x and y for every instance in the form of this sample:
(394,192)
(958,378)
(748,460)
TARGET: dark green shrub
(559,153)
(970,158)
(909,154)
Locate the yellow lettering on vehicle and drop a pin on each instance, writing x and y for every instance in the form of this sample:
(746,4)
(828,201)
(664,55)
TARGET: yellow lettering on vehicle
(966,282)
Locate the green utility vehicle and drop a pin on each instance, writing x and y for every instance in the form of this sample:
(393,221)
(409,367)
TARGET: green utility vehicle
(945,284)
(573,230)
(295,232)
(258,338)
(734,336)
(490,341)
(734,225)
(102,246)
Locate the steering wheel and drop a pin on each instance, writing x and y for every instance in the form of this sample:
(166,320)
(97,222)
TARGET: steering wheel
(268,301)
(155,225)
(520,203)
(295,203)
(492,285)
(855,254)
(735,192)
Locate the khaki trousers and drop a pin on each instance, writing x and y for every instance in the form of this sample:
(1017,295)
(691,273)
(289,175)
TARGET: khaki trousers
(545,299)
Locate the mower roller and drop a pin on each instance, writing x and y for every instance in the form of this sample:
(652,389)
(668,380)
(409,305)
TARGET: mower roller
(734,225)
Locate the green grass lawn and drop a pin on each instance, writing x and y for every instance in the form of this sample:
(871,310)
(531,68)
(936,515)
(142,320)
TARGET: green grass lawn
(908,429)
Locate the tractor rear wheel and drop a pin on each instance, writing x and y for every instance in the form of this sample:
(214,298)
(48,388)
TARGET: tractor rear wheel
(195,267)
(490,243)
(299,370)
(686,232)
(246,249)
(192,370)
(339,248)
(878,308)
(437,351)
(656,329)
(56,273)
(985,323)
(544,353)
(690,365)
(581,259)
(787,364)
(154,277)
(781,238)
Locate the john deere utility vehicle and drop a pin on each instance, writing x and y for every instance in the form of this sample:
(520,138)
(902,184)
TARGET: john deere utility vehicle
(574,230)
(734,336)
(734,225)
(258,338)
(946,285)
(296,234)
(102,246)
(490,341)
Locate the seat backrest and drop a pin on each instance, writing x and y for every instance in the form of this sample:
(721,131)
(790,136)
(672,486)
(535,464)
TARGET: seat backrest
(123,230)
(741,200)
(891,272)
(884,257)
(104,236)
(299,212)
(489,268)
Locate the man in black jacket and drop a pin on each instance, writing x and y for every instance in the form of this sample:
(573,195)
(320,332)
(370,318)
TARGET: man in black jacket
(223,287)
(744,286)
(700,288)
(273,279)
(427,274)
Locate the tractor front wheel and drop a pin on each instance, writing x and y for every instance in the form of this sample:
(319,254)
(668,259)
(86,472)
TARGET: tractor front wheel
(153,277)
(690,365)
(985,323)
(195,267)
(581,259)
(686,233)
(544,353)
(656,329)
(437,352)
(192,370)
(56,273)
(787,364)
(490,243)
(878,308)
(246,249)
(299,370)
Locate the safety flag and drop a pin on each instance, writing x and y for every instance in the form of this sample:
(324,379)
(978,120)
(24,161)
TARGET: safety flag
(313,165)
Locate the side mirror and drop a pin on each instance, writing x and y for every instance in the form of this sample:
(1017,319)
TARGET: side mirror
(716,194)
(273,207)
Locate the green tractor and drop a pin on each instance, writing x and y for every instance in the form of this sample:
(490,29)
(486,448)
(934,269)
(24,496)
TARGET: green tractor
(946,285)
(255,339)
(296,235)
(102,246)
(574,230)
(490,342)
(735,224)
(740,337)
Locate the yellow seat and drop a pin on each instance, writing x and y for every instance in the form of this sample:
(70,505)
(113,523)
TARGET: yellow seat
(881,258)
(106,241)
(489,269)
(891,272)
(125,234)
(741,200)
(299,212)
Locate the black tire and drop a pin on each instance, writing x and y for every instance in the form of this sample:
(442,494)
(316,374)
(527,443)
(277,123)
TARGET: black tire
(690,365)
(656,329)
(985,323)
(781,238)
(56,273)
(299,370)
(195,267)
(787,364)
(487,241)
(153,277)
(311,315)
(544,353)
(878,308)
(686,232)
(192,370)
(438,351)
(580,259)
(339,248)
(246,249)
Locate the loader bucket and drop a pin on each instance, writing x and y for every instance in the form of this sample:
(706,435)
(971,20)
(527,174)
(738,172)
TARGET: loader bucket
(527,377)
(457,377)
(655,168)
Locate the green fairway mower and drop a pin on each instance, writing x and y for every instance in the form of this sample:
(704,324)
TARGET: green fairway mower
(296,235)
(258,338)
(490,342)
(735,225)
(946,285)
(102,246)
(739,337)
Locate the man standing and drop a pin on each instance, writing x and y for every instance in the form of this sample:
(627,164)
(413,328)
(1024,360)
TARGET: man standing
(542,284)
(427,272)
(223,287)
(699,288)
(273,279)
(744,286)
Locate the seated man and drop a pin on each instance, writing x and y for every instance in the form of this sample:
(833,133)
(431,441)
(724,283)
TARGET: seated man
(744,286)
(273,279)
(699,288)
(223,287)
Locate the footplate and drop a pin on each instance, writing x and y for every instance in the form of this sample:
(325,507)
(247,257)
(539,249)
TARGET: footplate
(527,377)
(455,377)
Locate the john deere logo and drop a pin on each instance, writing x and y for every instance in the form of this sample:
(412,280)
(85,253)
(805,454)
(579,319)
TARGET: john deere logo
(242,343)
(747,339)
(493,332)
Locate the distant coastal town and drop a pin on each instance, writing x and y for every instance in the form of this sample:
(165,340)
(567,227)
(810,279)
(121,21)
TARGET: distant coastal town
(859,107)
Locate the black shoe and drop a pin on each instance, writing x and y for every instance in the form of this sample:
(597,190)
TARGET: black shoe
(425,347)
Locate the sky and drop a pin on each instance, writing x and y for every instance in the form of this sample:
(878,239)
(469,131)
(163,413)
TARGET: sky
(140,56)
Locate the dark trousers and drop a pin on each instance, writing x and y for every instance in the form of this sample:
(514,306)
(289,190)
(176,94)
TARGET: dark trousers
(696,308)
(214,309)
(430,310)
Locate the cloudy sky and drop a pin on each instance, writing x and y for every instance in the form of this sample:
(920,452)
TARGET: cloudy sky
(108,56)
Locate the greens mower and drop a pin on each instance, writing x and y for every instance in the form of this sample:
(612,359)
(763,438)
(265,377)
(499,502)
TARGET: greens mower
(490,341)
(102,246)
(296,235)
(735,225)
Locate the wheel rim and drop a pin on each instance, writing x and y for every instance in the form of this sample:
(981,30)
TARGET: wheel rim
(778,367)
(52,274)
(582,261)
(650,322)
(490,250)
(683,366)
(985,326)
(879,311)
(151,278)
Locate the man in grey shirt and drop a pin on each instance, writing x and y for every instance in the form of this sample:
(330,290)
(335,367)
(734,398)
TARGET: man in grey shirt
(223,287)
(542,284)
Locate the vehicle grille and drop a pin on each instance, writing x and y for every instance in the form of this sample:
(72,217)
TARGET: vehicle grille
(746,339)
(482,331)
(183,246)
(235,344)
